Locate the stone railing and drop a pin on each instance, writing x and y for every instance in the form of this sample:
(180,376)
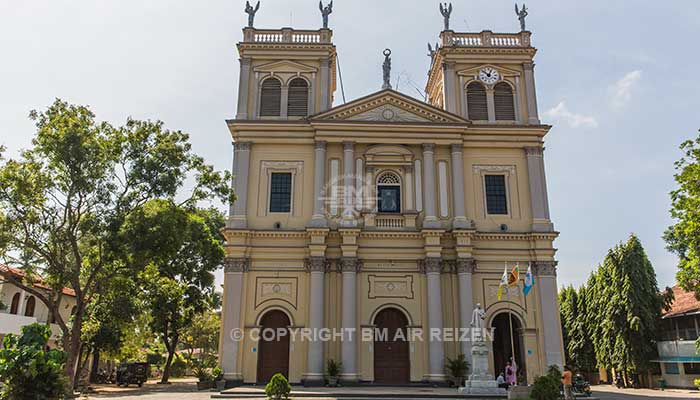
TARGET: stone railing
(485,39)
(407,220)
(287,35)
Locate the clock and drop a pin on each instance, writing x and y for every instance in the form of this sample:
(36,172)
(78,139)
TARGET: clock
(489,75)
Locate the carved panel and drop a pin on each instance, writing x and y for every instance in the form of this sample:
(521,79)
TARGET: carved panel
(387,287)
(276,288)
(510,294)
(388,112)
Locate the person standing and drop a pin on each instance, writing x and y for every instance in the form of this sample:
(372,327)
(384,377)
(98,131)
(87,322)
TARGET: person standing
(566,381)
(510,374)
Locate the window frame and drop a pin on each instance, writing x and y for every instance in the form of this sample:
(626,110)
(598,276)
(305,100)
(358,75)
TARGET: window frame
(288,84)
(510,173)
(291,192)
(396,186)
(260,97)
(504,82)
(505,193)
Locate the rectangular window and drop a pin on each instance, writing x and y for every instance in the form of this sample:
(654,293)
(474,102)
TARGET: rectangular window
(496,200)
(671,368)
(691,368)
(280,192)
(389,199)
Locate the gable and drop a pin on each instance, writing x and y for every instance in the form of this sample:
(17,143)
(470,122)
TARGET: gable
(388,106)
(284,66)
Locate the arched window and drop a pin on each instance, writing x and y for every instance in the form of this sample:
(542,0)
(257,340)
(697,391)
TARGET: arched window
(29,308)
(389,193)
(478,109)
(298,98)
(14,307)
(270,98)
(503,102)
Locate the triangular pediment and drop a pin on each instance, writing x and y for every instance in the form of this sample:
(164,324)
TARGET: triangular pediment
(284,66)
(388,106)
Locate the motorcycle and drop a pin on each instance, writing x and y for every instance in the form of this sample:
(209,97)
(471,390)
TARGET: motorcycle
(580,386)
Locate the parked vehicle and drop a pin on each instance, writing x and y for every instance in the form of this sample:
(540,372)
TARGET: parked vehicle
(580,386)
(132,373)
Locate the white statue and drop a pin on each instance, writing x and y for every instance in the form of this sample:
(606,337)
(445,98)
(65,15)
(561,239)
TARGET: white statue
(478,316)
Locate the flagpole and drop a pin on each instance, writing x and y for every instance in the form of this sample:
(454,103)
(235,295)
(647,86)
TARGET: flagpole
(512,344)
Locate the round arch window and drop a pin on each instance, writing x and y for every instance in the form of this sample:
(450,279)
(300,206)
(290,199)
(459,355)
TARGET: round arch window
(389,193)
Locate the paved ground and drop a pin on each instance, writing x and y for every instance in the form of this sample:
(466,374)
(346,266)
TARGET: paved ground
(186,389)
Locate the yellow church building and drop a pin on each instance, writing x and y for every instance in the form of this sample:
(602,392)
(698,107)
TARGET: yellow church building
(386,212)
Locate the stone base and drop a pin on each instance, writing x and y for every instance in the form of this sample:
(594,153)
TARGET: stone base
(519,392)
(481,387)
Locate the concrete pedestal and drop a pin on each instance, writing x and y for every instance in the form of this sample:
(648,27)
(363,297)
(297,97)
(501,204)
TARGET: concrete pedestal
(481,381)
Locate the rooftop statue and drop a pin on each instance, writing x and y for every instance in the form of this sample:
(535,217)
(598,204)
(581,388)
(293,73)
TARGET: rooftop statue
(446,10)
(251,12)
(431,52)
(521,15)
(386,67)
(325,11)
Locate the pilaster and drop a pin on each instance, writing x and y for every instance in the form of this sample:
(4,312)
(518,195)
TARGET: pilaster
(546,274)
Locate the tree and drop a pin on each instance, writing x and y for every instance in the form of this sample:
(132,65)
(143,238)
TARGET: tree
(179,248)
(202,333)
(65,201)
(568,315)
(28,369)
(683,237)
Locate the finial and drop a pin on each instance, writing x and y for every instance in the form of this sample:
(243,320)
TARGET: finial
(521,15)
(386,67)
(446,10)
(251,12)
(325,11)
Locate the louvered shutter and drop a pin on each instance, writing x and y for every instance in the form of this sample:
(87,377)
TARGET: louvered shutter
(476,102)
(298,98)
(503,102)
(270,98)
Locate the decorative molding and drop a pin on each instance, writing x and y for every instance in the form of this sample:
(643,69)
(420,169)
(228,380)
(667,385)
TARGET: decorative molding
(431,265)
(316,264)
(478,168)
(320,145)
(465,265)
(349,264)
(388,113)
(534,151)
(236,264)
(279,288)
(545,268)
(428,147)
(242,146)
(387,287)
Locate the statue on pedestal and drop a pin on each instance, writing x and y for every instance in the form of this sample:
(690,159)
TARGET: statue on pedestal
(480,381)
(386,69)
(521,15)
(325,12)
(251,12)
(446,10)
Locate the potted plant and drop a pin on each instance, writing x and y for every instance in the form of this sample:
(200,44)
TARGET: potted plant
(278,388)
(218,375)
(333,369)
(696,382)
(458,368)
(204,378)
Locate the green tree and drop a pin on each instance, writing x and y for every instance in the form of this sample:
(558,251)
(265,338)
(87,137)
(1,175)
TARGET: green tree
(568,314)
(179,248)
(683,237)
(65,200)
(203,334)
(28,369)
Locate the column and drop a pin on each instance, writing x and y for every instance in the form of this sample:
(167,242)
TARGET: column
(243,89)
(460,220)
(237,214)
(430,220)
(232,332)
(408,188)
(349,266)
(490,104)
(315,368)
(319,219)
(22,302)
(370,189)
(538,190)
(529,75)
(465,268)
(436,349)
(284,100)
(325,88)
(348,184)
(449,88)
(549,310)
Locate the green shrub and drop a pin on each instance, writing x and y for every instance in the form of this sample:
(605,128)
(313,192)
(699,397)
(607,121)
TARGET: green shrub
(178,367)
(28,370)
(545,388)
(278,388)
(458,367)
(217,373)
(334,367)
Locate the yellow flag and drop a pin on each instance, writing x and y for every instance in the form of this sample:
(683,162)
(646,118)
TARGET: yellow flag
(503,283)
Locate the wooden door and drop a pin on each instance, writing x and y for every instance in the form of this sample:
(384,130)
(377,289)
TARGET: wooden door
(273,354)
(391,357)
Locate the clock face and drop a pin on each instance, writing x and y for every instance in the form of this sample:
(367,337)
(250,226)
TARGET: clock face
(489,75)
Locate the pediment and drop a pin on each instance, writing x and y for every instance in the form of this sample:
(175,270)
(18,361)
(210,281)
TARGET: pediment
(473,71)
(389,106)
(284,66)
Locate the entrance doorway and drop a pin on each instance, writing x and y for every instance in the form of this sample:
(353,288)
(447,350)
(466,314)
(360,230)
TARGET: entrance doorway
(273,352)
(392,363)
(502,351)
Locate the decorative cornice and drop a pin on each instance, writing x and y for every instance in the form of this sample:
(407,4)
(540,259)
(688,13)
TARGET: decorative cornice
(320,145)
(534,151)
(428,147)
(493,168)
(431,265)
(243,146)
(236,264)
(349,264)
(465,265)
(545,268)
(316,264)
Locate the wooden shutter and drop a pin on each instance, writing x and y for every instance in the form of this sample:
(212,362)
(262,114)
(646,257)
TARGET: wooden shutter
(270,98)
(503,102)
(298,98)
(476,102)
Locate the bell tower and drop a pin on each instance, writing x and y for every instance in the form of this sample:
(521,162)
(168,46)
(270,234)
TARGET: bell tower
(286,73)
(485,77)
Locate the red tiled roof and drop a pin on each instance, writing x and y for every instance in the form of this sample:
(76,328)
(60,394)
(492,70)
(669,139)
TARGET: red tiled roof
(39,282)
(684,303)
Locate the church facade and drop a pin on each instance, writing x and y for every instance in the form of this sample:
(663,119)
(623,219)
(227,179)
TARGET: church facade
(386,212)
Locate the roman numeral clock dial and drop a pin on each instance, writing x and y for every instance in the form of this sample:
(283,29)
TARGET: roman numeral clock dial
(489,75)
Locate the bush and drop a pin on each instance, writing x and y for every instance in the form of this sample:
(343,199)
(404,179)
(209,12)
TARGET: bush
(545,388)
(178,367)
(334,367)
(217,373)
(458,367)
(24,362)
(278,388)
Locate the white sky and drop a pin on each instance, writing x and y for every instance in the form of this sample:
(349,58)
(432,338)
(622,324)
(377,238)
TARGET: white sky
(617,80)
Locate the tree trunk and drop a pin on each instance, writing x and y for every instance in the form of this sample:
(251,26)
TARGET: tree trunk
(72,349)
(95,365)
(166,368)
